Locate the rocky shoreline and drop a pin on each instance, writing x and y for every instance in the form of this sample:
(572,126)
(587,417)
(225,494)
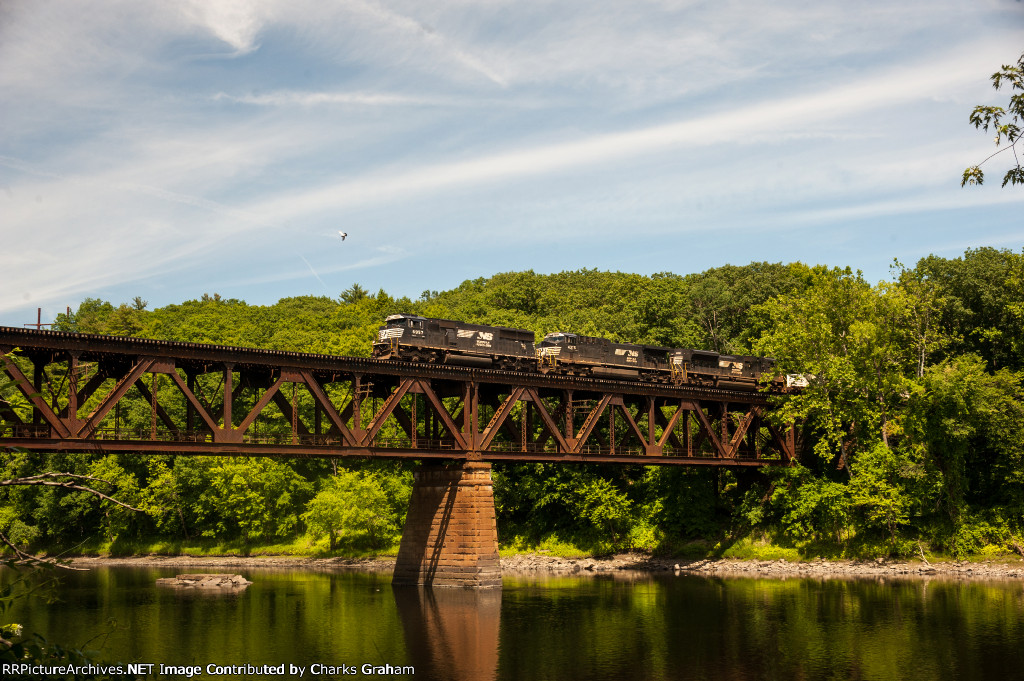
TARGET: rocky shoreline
(539,564)
(819,569)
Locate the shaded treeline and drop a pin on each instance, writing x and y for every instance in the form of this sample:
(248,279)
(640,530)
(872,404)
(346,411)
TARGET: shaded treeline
(910,432)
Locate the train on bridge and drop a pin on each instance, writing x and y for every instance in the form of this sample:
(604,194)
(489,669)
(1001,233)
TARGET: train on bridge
(422,339)
(437,389)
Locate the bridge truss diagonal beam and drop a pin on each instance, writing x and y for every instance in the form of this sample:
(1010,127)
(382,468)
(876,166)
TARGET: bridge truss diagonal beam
(29,392)
(93,420)
(500,414)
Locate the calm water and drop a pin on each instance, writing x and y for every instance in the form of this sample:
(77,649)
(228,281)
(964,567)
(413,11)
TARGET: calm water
(637,627)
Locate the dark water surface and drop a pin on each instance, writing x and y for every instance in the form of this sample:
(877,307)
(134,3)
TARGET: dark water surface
(622,627)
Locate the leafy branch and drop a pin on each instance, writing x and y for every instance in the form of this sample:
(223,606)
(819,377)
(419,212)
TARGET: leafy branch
(69,481)
(1006,123)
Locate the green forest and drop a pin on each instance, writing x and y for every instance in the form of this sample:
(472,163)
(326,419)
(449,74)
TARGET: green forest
(911,429)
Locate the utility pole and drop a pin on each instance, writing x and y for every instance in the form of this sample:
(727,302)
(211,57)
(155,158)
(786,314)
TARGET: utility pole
(39,324)
(39,320)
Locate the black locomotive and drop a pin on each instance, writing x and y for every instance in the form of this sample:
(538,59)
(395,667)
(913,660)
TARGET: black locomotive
(571,353)
(421,339)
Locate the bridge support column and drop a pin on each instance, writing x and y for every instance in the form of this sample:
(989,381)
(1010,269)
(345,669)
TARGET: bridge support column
(450,536)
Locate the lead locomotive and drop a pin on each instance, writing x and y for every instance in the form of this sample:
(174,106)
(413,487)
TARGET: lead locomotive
(444,341)
(422,339)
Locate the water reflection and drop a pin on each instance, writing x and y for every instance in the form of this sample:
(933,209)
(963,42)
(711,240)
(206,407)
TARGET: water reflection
(451,633)
(630,626)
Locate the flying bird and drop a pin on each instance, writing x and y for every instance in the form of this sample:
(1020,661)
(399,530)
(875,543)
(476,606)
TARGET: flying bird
(343,235)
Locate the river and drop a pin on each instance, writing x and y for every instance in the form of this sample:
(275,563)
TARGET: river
(626,626)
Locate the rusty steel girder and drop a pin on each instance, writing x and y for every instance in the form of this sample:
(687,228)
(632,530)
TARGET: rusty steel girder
(87,393)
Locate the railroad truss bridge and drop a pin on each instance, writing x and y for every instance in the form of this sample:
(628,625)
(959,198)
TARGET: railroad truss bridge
(88,393)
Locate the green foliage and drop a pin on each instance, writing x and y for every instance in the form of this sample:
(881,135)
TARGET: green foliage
(160,499)
(878,493)
(753,549)
(681,503)
(922,443)
(851,338)
(708,310)
(605,508)
(723,300)
(116,519)
(979,303)
(90,318)
(124,321)
(811,509)
(359,508)
(595,507)
(968,422)
(21,534)
(353,294)
(976,532)
(252,498)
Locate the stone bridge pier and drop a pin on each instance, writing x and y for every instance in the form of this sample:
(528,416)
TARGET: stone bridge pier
(451,535)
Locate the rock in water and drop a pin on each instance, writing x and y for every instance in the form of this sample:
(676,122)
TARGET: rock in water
(205,581)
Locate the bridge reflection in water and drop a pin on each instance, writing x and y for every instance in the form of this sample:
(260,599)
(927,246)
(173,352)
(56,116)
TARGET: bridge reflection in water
(451,633)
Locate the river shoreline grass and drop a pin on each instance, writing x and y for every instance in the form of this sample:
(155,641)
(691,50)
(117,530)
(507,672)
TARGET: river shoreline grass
(746,548)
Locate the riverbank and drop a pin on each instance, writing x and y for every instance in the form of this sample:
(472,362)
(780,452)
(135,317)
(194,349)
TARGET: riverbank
(540,564)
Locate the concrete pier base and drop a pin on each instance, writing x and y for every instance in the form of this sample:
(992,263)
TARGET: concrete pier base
(450,536)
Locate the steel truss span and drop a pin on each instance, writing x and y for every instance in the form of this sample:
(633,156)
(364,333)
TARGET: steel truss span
(87,393)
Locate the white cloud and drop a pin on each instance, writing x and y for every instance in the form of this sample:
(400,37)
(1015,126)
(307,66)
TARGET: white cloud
(236,22)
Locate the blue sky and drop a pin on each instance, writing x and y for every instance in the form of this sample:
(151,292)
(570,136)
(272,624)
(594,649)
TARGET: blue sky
(167,149)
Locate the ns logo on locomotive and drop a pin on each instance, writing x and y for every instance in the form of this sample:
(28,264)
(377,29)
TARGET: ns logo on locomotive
(443,341)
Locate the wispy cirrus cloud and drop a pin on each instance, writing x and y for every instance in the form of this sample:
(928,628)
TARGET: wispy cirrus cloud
(764,121)
(308,99)
(376,257)
(409,27)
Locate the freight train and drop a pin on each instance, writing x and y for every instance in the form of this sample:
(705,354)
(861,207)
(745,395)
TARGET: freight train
(442,341)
